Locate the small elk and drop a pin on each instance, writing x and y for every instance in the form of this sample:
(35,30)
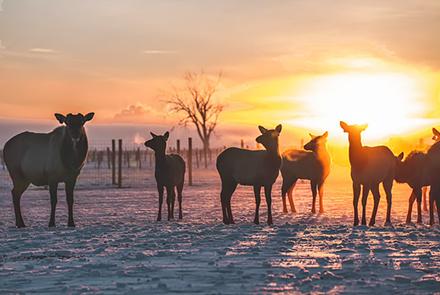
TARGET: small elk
(251,168)
(312,164)
(370,166)
(413,171)
(47,159)
(169,174)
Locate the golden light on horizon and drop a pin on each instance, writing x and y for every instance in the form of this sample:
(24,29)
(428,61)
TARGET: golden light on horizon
(391,102)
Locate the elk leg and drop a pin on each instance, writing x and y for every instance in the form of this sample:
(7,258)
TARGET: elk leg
(321,197)
(257,193)
(173,200)
(388,186)
(290,194)
(365,192)
(17,192)
(437,203)
(418,193)
(314,193)
(268,195)
(431,206)
(179,198)
(53,189)
(160,191)
(228,188)
(412,198)
(356,194)
(169,200)
(376,195)
(70,185)
(425,193)
(284,190)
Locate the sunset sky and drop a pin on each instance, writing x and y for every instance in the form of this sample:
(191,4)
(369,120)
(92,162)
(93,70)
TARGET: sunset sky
(306,64)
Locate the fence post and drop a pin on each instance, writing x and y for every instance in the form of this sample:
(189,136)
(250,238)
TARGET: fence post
(178,147)
(120,164)
(242,144)
(109,165)
(189,160)
(113,161)
(196,151)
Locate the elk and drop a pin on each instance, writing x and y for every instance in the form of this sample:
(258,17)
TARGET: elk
(46,159)
(251,168)
(436,138)
(413,171)
(169,173)
(312,164)
(370,166)
(433,155)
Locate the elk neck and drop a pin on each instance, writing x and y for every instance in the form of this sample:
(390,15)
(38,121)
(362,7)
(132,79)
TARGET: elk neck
(356,152)
(73,153)
(160,158)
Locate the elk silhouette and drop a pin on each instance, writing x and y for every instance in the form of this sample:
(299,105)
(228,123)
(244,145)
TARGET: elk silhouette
(370,166)
(413,171)
(169,174)
(433,155)
(312,164)
(48,159)
(252,168)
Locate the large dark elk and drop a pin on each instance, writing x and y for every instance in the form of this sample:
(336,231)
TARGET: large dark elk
(169,173)
(370,166)
(46,159)
(253,168)
(313,164)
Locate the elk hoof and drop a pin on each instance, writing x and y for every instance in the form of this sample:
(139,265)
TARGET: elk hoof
(431,222)
(256,221)
(270,222)
(321,211)
(159,219)
(419,221)
(71,224)
(51,224)
(285,210)
(388,223)
(180,217)
(20,225)
(364,222)
(371,223)
(313,211)
(356,222)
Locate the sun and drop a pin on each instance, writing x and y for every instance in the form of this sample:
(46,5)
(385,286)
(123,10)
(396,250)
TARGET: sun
(389,102)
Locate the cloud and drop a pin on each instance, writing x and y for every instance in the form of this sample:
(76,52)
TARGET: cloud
(42,50)
(134,113)
(158,51)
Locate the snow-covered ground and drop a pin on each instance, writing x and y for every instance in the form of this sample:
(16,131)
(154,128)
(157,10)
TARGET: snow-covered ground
(118,247)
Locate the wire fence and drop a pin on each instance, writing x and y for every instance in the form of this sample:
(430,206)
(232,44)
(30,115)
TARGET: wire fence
(131,166)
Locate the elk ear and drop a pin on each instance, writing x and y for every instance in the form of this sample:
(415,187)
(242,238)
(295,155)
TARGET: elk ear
(312,136)
(153,135)
(60,118)
(435,132)
(166,135)
(278,128)
(89,117)
(262,129)
(400,156)
(344,126)
(325,135)
(363,127)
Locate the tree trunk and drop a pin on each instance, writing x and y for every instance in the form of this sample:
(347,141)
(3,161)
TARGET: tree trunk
(205,151)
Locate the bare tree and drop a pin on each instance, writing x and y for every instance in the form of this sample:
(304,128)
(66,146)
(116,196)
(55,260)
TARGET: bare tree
(196,101)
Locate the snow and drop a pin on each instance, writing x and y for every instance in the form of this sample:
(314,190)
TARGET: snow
(118,247)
